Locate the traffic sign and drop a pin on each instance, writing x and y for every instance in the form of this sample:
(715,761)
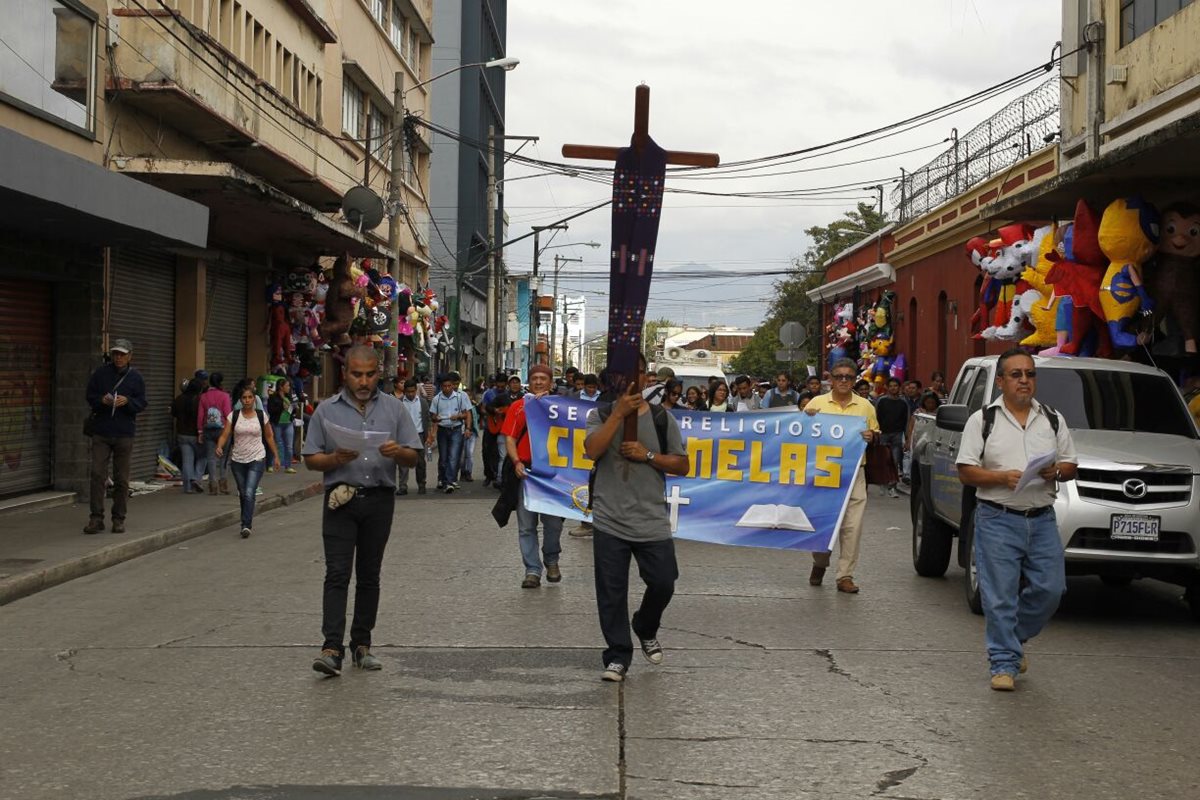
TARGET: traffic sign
(792,335)
(790,355)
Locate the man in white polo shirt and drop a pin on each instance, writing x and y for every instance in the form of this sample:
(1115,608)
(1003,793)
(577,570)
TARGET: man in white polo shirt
(1016,534)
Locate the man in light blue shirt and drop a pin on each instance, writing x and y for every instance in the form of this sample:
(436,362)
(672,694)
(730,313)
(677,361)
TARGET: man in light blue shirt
(450,413)
(417,408)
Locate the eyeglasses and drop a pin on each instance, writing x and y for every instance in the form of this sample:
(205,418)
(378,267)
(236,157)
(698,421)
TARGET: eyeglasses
(1016,374)
(842,377)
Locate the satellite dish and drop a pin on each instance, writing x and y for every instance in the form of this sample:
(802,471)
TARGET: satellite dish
(362,208)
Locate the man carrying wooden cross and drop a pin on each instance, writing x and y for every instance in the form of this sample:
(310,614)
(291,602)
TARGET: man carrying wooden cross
(635,445)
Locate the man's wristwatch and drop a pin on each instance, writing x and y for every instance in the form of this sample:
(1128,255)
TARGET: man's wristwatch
(649,457)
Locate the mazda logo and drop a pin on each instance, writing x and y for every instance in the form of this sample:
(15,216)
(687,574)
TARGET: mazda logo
(1134,488)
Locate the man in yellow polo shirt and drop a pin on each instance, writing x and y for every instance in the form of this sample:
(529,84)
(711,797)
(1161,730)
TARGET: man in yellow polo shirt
(841,399)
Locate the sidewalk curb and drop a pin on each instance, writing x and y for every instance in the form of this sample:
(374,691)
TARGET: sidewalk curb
(28,583)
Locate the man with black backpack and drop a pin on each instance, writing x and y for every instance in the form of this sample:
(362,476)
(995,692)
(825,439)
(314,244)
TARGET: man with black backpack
(1018,552)
(630,519)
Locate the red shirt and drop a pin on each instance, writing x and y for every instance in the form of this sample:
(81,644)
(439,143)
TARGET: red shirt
(514,428)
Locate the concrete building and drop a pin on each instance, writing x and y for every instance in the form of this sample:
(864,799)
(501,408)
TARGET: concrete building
(165,161)
(471,104)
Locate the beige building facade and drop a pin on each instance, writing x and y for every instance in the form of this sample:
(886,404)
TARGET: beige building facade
(177,157)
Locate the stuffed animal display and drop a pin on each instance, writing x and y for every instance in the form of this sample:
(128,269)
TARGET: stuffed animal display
(1101,285)
(311,310)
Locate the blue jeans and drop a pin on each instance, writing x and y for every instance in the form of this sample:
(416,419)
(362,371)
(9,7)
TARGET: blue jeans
(449,442)
(468,456)
(1007,548)
(527,535)
(247,476)
(283,442)
(192,465)
(216,466)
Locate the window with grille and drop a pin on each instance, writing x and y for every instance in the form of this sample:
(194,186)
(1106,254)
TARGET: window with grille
(376,129)
(1139,16)
(414,51)
(352,109)
(397,29)
(379,11)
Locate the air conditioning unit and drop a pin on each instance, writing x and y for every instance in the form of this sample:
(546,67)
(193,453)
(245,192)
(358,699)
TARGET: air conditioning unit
(674,353)
(701,355)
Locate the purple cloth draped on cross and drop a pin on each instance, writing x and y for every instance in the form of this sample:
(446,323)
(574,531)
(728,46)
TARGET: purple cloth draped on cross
(636,210)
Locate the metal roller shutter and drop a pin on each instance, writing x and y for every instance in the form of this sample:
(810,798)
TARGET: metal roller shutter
(225,331)
(142,310)
(26,372)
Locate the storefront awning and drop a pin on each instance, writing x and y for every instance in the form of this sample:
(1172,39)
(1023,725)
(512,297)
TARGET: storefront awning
(252,216)
(871,277)
(1160,166)
(50,194)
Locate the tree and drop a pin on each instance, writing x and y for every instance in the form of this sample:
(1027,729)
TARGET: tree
(650,331)
(791,303)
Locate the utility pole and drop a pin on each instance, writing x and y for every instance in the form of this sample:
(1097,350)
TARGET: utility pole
(558,262)
(534,314)
(493,273)
(399,137)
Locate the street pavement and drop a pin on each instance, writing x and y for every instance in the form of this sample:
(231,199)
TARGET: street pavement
(185,673)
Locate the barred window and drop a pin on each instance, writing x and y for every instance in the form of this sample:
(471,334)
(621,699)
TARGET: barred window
(352,109)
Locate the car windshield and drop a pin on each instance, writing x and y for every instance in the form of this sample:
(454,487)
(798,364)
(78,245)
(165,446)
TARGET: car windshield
(1093,399)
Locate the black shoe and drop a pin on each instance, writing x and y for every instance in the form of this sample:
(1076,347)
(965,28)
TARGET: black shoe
(245,533)
(466,478)
(487,482)
(420,490)
(652,650)
(94,526)
(364,660)
(403,490)
(328,663)
(450,489)
(614,672)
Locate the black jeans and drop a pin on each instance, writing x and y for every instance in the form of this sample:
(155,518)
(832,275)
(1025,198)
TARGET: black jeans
(420,467)
(658,569)
(120,450)
(355,536)
(490,471)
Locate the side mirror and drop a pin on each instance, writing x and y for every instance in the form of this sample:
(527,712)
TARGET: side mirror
(952,417)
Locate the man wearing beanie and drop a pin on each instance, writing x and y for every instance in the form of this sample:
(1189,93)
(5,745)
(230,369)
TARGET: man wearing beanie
(516,444)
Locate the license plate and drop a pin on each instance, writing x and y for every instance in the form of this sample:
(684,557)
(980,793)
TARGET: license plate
(1135,527)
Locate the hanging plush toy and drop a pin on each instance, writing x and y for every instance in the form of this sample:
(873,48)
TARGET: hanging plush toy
(340,301)
(1128,236)
(1077,273)
(979,251)
(1044,309)
(1021,253)
(1173,278)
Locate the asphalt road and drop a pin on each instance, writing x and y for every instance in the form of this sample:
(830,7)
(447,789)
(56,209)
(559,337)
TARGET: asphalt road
(185,674)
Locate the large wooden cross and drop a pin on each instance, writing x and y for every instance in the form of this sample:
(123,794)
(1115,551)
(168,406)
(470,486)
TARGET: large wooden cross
(641,132)
(641,135)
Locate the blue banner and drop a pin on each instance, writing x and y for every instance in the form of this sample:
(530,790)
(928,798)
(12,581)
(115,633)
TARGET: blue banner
(760,479)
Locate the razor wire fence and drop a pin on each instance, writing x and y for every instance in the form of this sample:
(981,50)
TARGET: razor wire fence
(1023,126)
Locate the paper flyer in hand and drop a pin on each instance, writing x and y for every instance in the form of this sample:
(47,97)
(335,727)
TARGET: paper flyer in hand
(358,441)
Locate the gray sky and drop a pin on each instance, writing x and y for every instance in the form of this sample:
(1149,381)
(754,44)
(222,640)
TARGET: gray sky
(744,80)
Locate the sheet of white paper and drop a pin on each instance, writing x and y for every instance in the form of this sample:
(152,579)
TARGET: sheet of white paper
(1035,465)
(358,441)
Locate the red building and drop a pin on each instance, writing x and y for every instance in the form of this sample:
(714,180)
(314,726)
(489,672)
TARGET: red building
(924,262)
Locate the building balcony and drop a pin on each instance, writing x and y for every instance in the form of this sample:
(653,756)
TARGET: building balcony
(171,71)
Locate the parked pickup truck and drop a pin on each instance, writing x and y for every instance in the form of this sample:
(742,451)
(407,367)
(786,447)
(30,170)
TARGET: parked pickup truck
(1134,509)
